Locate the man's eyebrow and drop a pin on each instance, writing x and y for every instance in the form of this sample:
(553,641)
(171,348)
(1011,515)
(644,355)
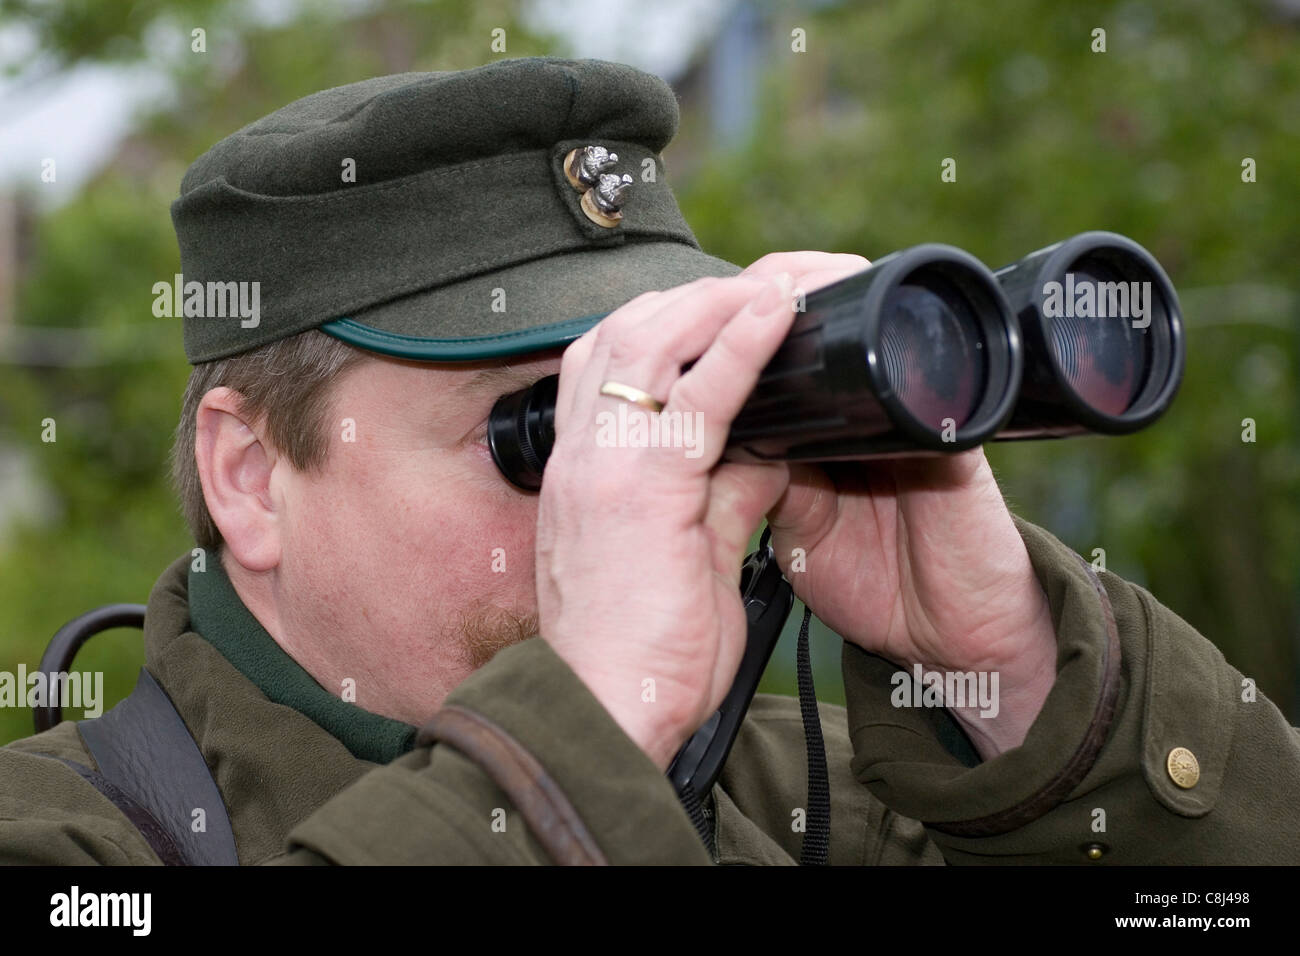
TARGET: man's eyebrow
(501,378)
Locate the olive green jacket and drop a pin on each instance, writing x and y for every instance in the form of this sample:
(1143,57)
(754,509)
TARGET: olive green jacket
(1091,782)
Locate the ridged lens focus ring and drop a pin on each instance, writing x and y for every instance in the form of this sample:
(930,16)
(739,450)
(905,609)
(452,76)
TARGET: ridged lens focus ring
(933,353)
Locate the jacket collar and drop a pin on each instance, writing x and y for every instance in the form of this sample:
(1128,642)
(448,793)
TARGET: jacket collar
(274,764)
(218,614)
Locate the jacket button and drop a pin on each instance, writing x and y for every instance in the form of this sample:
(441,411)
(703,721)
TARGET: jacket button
(1183,767)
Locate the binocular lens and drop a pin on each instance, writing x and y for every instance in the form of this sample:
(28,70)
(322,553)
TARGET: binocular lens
(1105,361)
(933,352)
(1103,338)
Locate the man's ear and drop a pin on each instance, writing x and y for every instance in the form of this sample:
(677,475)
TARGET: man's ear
(235,462)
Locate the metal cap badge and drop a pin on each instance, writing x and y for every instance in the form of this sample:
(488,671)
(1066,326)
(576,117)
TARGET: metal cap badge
(602,192)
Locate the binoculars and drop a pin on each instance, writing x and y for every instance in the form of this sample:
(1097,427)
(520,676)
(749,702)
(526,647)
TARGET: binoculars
(928,351)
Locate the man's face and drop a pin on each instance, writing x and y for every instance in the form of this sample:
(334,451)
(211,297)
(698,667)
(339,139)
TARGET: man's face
(407,562)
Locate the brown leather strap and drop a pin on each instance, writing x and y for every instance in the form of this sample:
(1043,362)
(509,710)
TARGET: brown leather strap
(547,811)
(1085,755)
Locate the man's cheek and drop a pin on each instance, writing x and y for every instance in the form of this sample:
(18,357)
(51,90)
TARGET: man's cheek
(497,555)
(508,549)
(458,537)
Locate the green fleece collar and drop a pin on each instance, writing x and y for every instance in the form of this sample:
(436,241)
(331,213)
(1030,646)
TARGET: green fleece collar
(220,617)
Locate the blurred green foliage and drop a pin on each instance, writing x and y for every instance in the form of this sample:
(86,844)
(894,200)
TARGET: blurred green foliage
(1049,139)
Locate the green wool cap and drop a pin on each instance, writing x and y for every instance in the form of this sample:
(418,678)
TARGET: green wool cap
(437,216)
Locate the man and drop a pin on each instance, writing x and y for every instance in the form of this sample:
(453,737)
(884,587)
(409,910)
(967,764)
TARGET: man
(425,243)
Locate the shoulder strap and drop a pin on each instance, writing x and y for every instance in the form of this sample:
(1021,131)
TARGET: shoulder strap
(153,771)
(153,832)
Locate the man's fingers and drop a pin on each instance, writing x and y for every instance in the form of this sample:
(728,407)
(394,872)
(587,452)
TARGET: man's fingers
(809,282)
(811,270)
(800,263)
(725,375)
(680,333)
(578,354)
(806,511)
(740,494)
(649,353)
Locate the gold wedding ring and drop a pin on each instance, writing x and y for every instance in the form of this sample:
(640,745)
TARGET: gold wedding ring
(630,394)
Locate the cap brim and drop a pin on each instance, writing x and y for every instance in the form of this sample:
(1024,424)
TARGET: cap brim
(530,307)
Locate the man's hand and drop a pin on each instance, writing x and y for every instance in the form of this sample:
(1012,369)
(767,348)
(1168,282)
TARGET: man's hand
(917,560)
(639,548)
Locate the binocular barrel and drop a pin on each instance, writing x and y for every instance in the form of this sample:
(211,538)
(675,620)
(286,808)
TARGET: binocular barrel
(1103,334)
(918,353)
(927,351)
